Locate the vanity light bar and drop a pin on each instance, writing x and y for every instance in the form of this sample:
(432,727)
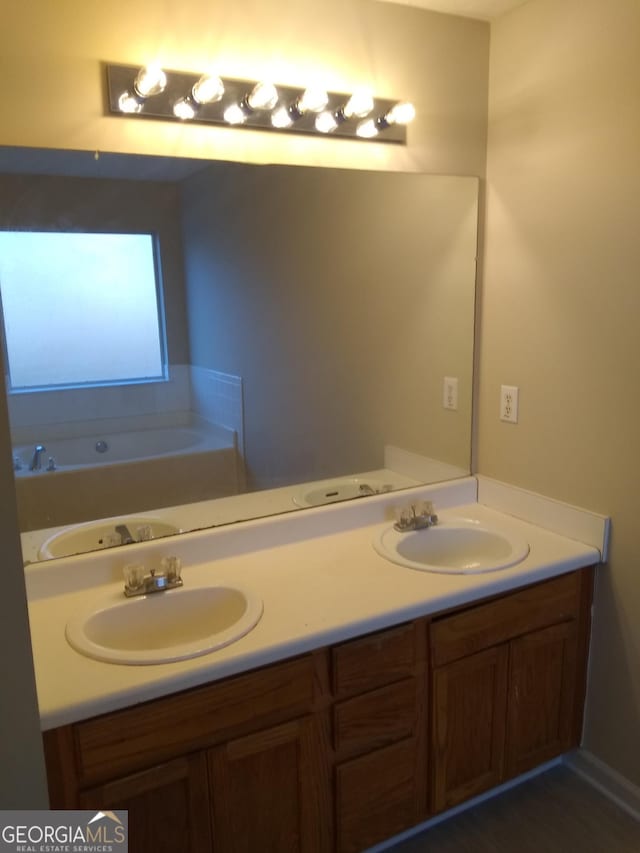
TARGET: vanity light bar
(150,92)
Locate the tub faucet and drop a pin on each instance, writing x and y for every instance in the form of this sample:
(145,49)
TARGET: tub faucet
(125,536)
(36,459)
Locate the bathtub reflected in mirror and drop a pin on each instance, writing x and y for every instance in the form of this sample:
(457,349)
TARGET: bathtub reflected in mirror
(311,317)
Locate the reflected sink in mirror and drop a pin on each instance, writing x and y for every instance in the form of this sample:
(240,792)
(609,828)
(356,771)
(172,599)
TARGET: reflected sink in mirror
(165,626)
(104,534)
(456,546)
(341,490)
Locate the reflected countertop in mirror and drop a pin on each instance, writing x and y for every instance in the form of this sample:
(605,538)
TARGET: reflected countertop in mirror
(312,319)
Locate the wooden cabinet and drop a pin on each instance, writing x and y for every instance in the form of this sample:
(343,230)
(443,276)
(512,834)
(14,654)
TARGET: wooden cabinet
(343,748)
(267,792)
(542,684)
(167,804)
(468,720)
(379,722)
(232,766)
(507,686)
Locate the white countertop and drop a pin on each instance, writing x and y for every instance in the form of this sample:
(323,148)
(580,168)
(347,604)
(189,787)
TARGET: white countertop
(317,573)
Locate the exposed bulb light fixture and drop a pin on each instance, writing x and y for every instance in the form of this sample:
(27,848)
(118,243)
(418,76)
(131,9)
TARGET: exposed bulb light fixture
(359,104)
(282,118)
(234,114)
(150,80)
(150,92)
(326,122)
(207,90)
(367,129)
(263,96)
(312,100)
(130,104)
(401,113)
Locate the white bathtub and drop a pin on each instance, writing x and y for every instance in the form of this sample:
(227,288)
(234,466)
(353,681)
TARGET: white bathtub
(138,471)
(121,447)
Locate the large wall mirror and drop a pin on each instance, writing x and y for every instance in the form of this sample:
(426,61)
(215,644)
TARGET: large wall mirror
(309,332)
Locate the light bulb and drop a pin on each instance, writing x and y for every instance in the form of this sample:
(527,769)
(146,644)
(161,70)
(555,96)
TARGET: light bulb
(401,113)
(367,129)
(263,96)
(129,103)
(208,89)
(326,122)
(184,109)
(151,80)
(281,118)
(234,114)
(359,104)
(312,100)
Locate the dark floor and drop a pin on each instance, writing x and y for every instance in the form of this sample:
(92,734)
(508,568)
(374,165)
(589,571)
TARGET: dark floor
(555,812)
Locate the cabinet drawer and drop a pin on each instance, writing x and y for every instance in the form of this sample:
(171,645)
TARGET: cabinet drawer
(134,738)
(377,796)
(485,625)
(377,718)
(374,660)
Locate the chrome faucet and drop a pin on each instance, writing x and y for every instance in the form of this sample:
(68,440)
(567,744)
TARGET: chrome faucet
(138,582)
(36,459)
(417,516)
(125,535)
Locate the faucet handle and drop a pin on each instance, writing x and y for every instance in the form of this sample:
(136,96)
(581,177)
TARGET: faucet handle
(172,567)
(426,509)
(133,576)
(404,517)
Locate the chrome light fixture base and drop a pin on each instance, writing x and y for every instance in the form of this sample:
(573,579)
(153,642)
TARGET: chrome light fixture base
(179,84)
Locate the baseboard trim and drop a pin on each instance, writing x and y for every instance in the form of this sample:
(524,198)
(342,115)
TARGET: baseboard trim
(607,780)
(463,807)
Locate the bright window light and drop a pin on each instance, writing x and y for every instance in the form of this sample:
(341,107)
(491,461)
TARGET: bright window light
(81,309)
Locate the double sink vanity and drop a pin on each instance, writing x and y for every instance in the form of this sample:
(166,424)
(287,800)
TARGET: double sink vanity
(321,681)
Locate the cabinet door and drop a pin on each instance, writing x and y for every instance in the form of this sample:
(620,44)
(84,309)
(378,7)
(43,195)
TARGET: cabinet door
(269,792)
(378,796)
(168,806)
(542,684)
(468,726)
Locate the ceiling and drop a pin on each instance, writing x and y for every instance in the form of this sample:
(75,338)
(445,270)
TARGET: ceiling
(486,10)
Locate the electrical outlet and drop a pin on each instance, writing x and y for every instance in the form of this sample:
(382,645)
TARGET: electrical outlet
(509,404)
(450,393)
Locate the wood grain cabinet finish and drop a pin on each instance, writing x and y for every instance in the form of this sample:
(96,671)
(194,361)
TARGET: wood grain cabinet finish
(167,804)
(517,703)
(469,702)
(378,796)
(269,793)
(347,746)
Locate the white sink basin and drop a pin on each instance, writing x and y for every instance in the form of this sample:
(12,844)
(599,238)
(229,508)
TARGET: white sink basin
(95,535)
(458,546)
(340,490)
(164,626)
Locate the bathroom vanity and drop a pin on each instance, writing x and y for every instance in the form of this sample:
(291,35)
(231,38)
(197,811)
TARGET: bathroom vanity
(368,698)
(348,745)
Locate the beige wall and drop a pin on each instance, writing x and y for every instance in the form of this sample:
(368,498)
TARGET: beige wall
(51,87)
(561,302)
(342,299)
